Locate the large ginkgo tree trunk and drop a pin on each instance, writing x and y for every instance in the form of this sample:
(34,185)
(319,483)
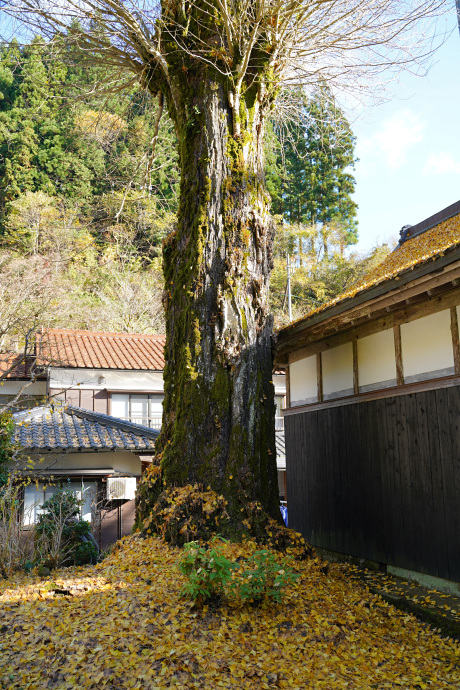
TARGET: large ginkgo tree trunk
(218,427)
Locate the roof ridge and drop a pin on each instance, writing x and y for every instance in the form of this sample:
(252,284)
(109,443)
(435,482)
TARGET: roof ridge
(108,334)
(409,231)
(138,429)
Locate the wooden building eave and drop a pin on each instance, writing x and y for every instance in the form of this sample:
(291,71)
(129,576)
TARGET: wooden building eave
(432,286)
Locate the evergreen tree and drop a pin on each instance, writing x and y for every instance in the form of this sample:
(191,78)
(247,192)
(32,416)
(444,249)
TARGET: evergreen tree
(58,138)
(317,156)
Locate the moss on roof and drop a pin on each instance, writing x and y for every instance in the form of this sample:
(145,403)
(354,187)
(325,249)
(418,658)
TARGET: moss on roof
(414,251)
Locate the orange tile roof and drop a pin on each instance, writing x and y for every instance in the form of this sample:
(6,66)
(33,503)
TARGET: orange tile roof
(13,366)
(428,245)
(99,350)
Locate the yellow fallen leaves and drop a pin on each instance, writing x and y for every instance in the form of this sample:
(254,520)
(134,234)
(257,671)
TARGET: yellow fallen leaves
(430,244)
(123,625)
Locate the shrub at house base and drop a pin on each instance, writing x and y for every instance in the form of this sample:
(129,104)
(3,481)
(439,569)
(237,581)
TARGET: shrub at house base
(61,536)
(196,513)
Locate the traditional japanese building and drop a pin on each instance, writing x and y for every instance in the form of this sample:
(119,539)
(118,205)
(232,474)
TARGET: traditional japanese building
(373,409)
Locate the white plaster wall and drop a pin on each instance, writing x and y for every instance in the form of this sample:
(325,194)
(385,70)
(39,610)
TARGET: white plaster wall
(337,367)
(122,462)
(279,382)
(13,387)
(376,358)
(151,381)
(302,381)
(427,345)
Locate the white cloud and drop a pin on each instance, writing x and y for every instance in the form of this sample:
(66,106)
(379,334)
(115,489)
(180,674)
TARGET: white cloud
(393,140)
(440,163)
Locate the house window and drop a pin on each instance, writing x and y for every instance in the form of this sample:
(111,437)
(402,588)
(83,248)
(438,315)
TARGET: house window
(279,419)
(139,408)
(35,494)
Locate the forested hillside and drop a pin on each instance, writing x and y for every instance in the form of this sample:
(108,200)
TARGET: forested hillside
(84,206)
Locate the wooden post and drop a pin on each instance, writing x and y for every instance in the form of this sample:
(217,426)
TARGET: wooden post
(288,386)
(319,376)
(398,355)
(455,338)
(355,368)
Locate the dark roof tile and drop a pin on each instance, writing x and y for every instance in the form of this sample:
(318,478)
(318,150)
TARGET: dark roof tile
(56,427)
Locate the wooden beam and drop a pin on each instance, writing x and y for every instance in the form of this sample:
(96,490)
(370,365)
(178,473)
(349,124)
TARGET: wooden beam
(367,328)
(431,306)
(405,314)
(380,394)
(355,368)
(319,376)
(288,387)
(455,338)
(398,355)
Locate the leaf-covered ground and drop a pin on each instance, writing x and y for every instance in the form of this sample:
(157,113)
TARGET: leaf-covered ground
(123,624)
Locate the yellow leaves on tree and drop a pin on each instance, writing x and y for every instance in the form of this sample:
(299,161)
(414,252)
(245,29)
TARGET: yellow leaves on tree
(105,127)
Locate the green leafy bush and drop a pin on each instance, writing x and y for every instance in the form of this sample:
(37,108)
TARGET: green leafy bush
(259,578)
(262,577)
(207,571)
(61,537)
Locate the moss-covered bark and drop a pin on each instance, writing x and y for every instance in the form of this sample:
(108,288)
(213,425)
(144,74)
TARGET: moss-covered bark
(218,427)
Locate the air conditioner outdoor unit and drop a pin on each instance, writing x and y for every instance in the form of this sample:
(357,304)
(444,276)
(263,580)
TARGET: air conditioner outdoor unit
(121,488)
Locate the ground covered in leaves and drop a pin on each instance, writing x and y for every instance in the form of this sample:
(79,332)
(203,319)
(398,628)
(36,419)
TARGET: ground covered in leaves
(123,624)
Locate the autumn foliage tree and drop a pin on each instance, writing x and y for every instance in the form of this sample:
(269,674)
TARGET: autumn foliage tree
(217,66)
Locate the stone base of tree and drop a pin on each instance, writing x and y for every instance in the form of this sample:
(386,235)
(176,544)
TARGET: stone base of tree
(196,513)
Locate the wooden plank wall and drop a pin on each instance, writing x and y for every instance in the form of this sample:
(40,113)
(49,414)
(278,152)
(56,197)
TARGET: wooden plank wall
(380,480)
(95,400)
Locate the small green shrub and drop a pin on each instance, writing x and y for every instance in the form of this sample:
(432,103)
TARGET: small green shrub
(85,552)
(263,578)
(61,537)
(207,571)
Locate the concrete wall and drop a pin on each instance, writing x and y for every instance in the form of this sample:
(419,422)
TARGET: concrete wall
(147,381)
(9,387)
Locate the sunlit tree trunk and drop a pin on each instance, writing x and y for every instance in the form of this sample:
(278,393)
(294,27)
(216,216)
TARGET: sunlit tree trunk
(219,411)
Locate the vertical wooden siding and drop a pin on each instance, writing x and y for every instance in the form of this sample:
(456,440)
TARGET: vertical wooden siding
(95,400)
(380,480)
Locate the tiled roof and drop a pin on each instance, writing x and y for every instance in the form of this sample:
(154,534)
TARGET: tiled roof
(99,350)
(426,246)
(14,366)
(67,428)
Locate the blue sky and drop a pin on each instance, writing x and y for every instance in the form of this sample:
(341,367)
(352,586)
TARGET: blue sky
(409,150)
